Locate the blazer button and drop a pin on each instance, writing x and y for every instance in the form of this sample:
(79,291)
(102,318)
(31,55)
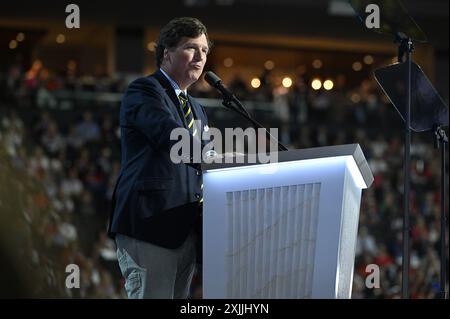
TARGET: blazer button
(198,173)
(197,196)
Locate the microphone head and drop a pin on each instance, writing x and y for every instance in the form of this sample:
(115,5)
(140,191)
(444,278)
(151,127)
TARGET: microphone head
(212,79)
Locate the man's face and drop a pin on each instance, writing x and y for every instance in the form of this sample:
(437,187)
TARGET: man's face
(185,63)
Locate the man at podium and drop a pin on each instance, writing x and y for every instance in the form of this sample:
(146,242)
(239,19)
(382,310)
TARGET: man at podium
(157,203)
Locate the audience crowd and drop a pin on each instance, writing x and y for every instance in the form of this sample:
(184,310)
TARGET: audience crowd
(64,158)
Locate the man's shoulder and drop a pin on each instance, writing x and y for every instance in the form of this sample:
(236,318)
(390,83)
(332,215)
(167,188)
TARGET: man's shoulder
(148,86)
(149,81)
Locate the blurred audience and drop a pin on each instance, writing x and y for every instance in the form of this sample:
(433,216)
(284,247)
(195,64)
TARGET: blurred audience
(66,167)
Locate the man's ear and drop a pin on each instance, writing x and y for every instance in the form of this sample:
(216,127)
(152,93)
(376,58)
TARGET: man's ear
(166,56)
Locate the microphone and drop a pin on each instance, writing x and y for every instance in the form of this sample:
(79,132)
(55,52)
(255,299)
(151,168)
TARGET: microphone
(216,82)
(229,97)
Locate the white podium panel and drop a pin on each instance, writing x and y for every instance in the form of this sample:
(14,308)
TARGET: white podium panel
(282,230)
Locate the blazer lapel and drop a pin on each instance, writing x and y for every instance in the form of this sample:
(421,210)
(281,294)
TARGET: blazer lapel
(175,107)
(198,114)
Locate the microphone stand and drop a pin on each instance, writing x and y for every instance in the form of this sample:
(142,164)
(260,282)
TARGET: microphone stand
(440,139)
(398,23)
(405,48)
(227,102)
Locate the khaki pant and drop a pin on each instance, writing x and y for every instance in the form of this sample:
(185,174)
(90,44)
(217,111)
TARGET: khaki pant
(154,272)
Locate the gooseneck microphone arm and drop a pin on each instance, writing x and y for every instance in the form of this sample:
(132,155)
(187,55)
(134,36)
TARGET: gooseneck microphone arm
(228,100)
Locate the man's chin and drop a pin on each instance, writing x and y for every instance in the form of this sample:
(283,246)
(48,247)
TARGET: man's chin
(195,75)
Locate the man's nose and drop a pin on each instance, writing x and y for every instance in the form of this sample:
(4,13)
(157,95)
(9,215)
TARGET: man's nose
(199,56)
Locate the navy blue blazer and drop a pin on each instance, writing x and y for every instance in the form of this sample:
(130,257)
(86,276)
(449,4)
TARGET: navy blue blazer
(154,200)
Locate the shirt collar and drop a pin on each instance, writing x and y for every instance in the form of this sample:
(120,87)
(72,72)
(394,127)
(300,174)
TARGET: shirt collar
(174,84)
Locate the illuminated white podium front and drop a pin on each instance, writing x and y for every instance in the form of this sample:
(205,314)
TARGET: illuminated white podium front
(285,229)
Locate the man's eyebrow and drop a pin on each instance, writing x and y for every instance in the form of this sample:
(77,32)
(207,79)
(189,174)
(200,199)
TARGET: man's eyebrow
(197,45)
(193,43)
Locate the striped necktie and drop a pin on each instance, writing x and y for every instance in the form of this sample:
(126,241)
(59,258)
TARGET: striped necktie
(188,115)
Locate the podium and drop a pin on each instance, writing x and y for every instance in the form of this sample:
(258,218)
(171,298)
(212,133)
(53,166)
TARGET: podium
(286,229)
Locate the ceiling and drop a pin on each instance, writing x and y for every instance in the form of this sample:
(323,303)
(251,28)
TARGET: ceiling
(305,18)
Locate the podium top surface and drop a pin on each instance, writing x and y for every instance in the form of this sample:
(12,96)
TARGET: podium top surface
(353,150)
